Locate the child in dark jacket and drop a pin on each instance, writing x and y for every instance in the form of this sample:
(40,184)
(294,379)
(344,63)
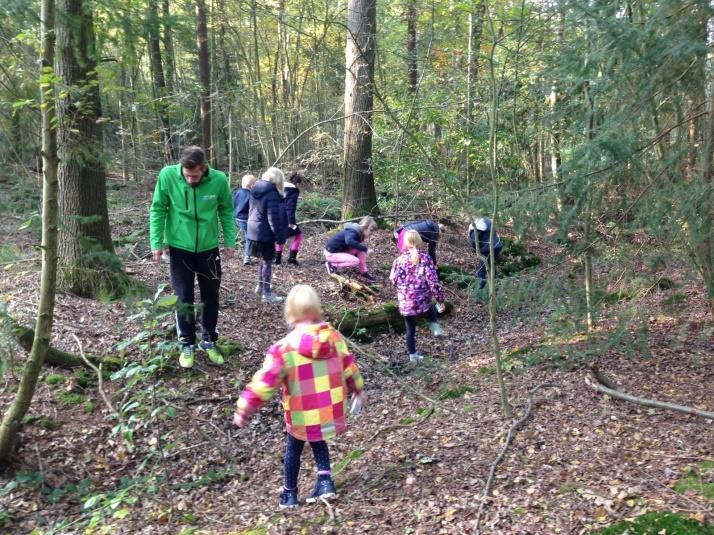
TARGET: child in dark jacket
(346,250)
(265,228)
(481,230)
(316,371)
(430,231)
(417,282)
(289,206)
(241,206)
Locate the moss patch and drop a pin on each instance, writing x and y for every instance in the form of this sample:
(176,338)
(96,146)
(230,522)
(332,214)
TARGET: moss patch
(659,523)
(700,479)
(55,379)
(71,398)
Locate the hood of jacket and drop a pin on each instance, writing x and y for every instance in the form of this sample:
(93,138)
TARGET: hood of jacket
(263,188)
(354,227)
(314,340)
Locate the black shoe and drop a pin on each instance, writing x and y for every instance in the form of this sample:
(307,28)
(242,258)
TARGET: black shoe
(324,488)
(368,278)
(292,259)
(278,258)
(289,499)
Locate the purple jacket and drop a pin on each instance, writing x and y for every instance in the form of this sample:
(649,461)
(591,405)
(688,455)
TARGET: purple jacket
(416,284)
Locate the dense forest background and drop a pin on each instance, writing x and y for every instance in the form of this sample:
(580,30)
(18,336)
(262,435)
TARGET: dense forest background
(584,129)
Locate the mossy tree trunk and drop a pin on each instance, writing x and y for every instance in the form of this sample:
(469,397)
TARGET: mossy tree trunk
(359,196)
(12,419)
(87,262)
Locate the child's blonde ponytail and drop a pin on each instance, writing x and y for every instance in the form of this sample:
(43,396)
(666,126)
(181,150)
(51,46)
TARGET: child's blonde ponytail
(412,241)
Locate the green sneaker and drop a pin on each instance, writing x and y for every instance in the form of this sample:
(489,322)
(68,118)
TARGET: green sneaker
(214,354)
(186,357)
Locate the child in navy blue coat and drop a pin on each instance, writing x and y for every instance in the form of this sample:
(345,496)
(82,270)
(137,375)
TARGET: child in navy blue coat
(429,231)
(241,205)
(481,230)
(345,249)
(289,206)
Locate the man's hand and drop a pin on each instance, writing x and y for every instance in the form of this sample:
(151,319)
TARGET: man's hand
(238,420)
(157,255)
(229,253)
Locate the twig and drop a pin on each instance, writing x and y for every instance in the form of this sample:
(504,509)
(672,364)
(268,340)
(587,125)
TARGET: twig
(100,380)
(354,219)
(330,511)
(511,430)
(648,402)
(421,420)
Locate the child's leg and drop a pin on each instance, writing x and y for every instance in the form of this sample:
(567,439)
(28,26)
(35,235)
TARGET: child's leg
(322,457)
(278,247)
(481,272)
(293,450)
(432,251)
(342,260)
(431,314)
(295,245)
(266,268)
(361,259)
(411,342)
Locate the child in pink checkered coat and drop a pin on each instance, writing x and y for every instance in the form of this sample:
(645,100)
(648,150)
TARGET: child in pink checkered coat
(316,371)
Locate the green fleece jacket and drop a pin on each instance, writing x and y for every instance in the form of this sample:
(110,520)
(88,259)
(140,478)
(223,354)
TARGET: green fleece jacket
(185,217)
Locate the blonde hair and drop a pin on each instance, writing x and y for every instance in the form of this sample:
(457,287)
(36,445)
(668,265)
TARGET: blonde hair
(248,181)
(368,225)
(275,176)
(302,303)
(412,240)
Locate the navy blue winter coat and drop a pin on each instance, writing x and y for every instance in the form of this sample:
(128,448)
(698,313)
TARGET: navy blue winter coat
(349,238)
(288,207)
(241,204)
(427,229)
(265,222)
(483,238)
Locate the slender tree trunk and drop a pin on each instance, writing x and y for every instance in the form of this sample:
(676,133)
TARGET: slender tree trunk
(168,42)
(555,159)
(204,72)
(258,83)
(12,419)
(157,69)
(493,169)
(88,265)
(587,232)
(359,196)
(411,15)
(474,47)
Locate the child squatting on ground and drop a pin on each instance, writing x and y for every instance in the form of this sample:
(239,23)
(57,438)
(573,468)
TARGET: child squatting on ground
(316,371)
(346,250)
(417,282)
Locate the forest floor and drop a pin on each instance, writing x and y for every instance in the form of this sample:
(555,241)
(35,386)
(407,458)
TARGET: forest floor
(405,465)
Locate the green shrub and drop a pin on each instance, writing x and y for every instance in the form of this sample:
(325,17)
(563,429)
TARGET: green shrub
(314,205)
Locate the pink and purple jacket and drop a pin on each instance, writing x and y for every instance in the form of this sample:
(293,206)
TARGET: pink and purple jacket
(416,284)
(316,371)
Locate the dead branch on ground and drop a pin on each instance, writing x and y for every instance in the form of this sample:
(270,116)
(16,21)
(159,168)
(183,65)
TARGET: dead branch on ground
(600,386)
(509,436)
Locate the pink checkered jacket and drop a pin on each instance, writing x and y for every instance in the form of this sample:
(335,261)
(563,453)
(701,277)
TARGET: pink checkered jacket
(316,371)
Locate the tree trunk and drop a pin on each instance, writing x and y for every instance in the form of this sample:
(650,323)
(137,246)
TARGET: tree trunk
(555,160)
(88,265)
(204,72)
(358,193)
(157,68)
(474,47)
(12,419)
(411,14)
(168,41)
(587,231)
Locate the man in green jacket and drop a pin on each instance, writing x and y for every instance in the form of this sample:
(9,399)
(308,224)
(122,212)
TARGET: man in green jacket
(189,200)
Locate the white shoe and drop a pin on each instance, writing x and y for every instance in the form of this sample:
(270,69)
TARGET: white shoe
(272,299)
(436,330)
(416,357)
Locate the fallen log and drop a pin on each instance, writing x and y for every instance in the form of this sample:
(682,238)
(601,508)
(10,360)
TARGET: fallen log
(381,319)
(24,336)
(653,403)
